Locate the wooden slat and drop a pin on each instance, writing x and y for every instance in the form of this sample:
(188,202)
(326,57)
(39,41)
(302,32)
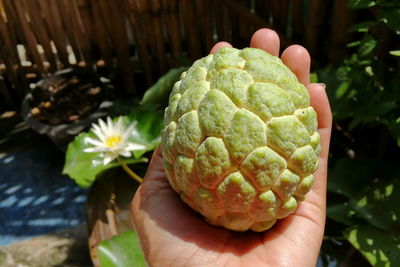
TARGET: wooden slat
(120,42)
(159,34)
(84,9)
(137,25)
(297,19)
(340,37)
(105,13)
(80,33)
(14,27)
(66,17)
(280,10)
(13,70)
(145,10)
(5,95)
(245,13)
(101,34)
(51,17)
(8,53)
(32,8)
(170,8)
(207,19)
(9,41)
(29,36)
(190,26)
(315,17)
(225,24)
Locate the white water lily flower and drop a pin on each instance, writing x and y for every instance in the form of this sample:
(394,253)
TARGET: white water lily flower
(112,139)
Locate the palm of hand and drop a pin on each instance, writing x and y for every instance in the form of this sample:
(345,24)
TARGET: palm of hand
(172,234)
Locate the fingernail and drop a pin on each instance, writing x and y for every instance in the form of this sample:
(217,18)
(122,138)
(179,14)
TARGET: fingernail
(323,85)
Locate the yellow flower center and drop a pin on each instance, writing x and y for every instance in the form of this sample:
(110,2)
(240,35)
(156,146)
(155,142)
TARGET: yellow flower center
(113,141)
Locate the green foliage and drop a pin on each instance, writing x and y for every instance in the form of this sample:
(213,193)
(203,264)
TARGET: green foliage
(158,94)
(84,167)
(379,247)
(364,185)
(370,210)
(122,250)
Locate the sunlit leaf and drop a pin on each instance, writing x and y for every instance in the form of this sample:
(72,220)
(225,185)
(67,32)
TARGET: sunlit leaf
(121,251)
(358,4)
(380,248)
(379,205)
(343,213)
(395,53)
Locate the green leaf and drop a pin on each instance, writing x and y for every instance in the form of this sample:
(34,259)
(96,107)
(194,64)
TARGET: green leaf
(391,16)
(395,53)
(350,176)
(83,167)
(149,125)
(368,44)
(343,213)
(363,26)
(380,248)
(121,251)
(158,94)
(379,205)
(313,77)
(342,89)
(358,4)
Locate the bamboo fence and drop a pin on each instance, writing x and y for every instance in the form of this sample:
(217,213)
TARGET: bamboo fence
(135,41)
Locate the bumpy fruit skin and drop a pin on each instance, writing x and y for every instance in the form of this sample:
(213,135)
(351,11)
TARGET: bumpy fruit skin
(240,142)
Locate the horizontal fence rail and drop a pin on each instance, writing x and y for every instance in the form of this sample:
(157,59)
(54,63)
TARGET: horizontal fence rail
(138,40)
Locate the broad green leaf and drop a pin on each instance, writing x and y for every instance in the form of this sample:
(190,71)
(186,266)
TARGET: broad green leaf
(358,4)
(379,205)
(122,250)
(349,177)
(149,125)
(158,94)
(343,213)
(395,53)
(84,167)
(380,248)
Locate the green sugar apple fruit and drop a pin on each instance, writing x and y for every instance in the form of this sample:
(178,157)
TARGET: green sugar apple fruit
(240,141)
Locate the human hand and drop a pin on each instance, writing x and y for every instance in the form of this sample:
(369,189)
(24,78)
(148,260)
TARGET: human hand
(172,234)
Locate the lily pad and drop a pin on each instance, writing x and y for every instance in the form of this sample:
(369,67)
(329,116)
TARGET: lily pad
(122,250)
(83,167)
